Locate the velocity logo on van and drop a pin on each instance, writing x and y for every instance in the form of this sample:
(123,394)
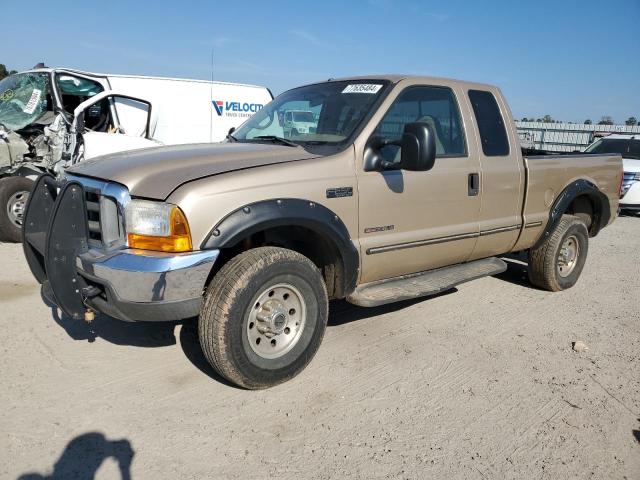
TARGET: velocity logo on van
(235,109)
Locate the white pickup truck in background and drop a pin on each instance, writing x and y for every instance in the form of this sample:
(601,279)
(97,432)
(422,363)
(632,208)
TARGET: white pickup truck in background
(51,118)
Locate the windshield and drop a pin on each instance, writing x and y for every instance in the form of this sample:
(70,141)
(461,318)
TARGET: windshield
(23,99)
(628,148)
(321,114)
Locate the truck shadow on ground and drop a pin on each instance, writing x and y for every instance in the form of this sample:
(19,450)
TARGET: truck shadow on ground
(516,271)
(83,456)
(190,344)
(162,334)
(138,334)
(340,313)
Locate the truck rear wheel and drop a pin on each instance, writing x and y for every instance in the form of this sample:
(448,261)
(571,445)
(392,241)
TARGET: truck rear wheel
(263,317)
(14,192)
(556,264)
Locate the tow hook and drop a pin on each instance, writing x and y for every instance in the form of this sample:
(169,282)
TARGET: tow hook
(87,293)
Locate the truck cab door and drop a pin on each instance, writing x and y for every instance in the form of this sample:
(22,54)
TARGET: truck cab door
(503,177)
(129,126)
(411,221)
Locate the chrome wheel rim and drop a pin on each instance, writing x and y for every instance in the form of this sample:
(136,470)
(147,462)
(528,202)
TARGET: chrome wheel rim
(15,207)
(568,256)
(276,321)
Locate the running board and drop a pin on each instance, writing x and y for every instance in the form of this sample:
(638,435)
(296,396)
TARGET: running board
(424,283)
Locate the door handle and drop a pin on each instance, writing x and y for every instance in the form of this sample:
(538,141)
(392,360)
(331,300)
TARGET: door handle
(474,184)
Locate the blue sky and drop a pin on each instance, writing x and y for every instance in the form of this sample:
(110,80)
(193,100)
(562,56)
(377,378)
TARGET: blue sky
(570,59)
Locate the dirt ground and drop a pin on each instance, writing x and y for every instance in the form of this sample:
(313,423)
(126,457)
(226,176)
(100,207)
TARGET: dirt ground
(480,382)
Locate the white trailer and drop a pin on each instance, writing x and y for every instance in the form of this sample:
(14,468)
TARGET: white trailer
(51,118)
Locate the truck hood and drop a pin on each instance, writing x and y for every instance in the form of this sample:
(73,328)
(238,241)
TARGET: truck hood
(158,171)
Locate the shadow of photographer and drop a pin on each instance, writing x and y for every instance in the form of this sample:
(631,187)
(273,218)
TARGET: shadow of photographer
(83,456)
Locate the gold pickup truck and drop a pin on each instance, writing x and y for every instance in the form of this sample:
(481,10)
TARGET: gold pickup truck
(399,187)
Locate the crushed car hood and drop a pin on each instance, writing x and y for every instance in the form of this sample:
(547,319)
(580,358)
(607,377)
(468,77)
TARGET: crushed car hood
(158,171)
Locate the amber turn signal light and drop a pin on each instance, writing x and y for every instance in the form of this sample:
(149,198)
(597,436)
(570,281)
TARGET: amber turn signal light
(178,240)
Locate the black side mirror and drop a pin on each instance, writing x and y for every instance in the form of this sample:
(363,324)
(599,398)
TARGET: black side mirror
(418,150)
(418,145)
(230,136)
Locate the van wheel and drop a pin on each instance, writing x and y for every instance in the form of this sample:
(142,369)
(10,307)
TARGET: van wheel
(14,193)
(263,317)
(557,263)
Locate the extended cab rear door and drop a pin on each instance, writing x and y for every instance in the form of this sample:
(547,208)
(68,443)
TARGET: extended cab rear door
(412,221)
(502,172)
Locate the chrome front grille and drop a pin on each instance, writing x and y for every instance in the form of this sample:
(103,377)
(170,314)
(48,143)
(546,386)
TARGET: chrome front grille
(104,202)
(92,202)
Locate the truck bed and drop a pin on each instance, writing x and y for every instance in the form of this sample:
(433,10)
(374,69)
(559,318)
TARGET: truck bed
(548,175)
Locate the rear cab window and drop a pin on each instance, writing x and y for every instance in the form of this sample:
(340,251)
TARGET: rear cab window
(493,133)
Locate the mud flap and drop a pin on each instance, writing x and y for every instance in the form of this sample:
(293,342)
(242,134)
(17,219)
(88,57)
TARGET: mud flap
(66,239)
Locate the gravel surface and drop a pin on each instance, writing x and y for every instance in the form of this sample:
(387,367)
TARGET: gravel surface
(481,382)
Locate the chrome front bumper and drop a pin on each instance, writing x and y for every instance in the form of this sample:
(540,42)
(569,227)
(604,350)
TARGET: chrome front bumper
(83,262)
(139,285)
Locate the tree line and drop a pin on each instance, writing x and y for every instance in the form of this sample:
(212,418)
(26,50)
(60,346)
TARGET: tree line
(605,120)
(4,72)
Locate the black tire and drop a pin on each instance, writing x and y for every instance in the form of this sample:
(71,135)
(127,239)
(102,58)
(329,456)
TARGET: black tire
(229,303)
(12,191)
(545,268)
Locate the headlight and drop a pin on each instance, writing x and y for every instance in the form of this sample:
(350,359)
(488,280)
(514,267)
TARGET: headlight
(157,226)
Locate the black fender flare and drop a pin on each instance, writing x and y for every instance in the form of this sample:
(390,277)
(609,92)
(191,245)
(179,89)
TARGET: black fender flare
(602,210)
(265,214)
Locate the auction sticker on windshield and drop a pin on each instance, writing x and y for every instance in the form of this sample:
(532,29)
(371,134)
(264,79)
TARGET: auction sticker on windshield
(33,102)
(362,88)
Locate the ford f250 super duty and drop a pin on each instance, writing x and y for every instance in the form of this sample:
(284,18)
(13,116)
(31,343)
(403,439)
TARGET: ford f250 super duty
(405,187)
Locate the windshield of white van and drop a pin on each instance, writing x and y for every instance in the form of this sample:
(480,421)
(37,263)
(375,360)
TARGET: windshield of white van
(321,114)
(23,99)
(628,148)
(303,117)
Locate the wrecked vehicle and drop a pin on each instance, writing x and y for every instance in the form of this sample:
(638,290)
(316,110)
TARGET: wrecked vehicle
(403,188)
(52,118)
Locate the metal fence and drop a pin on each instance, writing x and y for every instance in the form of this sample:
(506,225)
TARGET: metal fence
(565,137)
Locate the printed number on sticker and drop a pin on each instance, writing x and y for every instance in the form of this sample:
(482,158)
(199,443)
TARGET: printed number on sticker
(33,102)
(362,88)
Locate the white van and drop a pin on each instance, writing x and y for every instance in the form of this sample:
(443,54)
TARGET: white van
(51,118)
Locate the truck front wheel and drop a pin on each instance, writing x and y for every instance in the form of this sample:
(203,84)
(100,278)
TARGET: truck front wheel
(14,192)
(557,262)
(263,317)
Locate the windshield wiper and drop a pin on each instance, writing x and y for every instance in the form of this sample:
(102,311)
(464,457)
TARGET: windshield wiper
(276,139)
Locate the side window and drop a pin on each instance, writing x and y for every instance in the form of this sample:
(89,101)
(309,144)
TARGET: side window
(75,90)
(436,106)
(493,134)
